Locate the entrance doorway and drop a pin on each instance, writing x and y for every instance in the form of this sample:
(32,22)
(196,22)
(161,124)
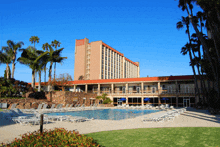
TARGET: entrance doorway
(119,102)
(186,102)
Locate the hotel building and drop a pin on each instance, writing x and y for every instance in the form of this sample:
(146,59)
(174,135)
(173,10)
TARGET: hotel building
(178,90)
(97,60)
(105,70)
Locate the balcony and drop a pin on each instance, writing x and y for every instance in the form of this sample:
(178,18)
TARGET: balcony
(182,92)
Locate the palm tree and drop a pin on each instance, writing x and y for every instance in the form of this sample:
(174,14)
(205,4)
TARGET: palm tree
(41,63)
(34,39)
(187,48)
(212,24)
(55,44)
(53,56)
(6,58)
(14,47)
(35,59)
(105,99)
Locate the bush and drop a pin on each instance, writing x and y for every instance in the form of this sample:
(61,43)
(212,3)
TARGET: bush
(107,101)
(57,137)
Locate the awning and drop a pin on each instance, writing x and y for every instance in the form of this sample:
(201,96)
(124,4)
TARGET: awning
(164,98)
(123,99)
(146,99)
(84,98)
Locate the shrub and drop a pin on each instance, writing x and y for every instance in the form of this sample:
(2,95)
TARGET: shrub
(57,137)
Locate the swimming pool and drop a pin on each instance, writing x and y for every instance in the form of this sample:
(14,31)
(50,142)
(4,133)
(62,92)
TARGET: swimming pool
(107,114)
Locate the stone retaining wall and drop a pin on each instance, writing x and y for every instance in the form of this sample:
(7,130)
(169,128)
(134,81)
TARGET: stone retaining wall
(67,97)
(58,97)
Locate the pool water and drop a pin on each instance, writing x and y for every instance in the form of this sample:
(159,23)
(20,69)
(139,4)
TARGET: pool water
(107,114)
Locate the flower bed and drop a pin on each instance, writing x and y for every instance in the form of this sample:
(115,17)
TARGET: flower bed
(52,138)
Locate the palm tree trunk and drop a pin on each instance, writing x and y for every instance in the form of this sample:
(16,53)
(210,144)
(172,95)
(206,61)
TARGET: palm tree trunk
(203,42)
(193,68)
(50,72)
(13,70)
(45,75)
(39,83)
(32,83)
(7,70)
(50,84)
(55,70)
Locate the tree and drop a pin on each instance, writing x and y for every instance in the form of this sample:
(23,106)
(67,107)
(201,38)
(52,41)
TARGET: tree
(62,81)
(211,46)
(34,39)
(33,58)
(13,47)
(53,56)
(105,99)
(55,44)
(41,63)
(188,47)
(6,58)
(5,74)
(81,77)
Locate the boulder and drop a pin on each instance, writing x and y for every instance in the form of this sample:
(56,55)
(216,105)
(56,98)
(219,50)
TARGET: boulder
(27,105)
(20,106)
(34,105)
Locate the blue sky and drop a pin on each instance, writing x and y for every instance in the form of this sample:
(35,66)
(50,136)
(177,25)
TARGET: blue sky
(144,31)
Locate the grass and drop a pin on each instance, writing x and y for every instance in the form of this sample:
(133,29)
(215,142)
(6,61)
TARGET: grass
(1,109)
(159,137)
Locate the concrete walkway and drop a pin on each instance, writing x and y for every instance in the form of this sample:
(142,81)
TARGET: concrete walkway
(191,118)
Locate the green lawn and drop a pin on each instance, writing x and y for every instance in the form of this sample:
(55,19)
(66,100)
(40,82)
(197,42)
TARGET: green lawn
(1,109)
(159,137)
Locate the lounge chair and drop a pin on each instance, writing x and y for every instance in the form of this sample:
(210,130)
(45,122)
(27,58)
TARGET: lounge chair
(13,106)
(30,120)
(70,107)
(171,107)
(4,105)
(59,107)
(78,119)
(65,108)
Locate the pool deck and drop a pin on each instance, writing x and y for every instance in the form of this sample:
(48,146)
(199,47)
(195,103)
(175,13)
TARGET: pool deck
(191,118)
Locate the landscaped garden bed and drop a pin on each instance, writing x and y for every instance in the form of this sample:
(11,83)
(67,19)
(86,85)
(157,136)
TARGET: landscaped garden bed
(52,138)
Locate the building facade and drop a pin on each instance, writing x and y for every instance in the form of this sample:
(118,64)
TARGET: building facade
(179,91)
(97,60)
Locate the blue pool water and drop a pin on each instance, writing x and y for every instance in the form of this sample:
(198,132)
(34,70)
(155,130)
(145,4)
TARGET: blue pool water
(107,114)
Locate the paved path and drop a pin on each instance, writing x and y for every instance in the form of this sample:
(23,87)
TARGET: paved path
(191,118)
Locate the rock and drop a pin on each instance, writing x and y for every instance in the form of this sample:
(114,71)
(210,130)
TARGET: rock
(34,105)
(20,106)
(27,105)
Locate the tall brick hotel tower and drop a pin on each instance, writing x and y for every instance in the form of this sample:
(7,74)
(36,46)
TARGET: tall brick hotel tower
(97,60)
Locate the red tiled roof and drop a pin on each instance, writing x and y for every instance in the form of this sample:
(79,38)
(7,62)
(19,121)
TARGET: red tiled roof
(142,79)
(131,61)
(125,80)
(80,42)
(112,49)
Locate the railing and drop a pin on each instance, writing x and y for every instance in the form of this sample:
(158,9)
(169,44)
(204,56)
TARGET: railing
(149,92)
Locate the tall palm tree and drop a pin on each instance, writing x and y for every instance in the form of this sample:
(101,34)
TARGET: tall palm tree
(55,44)
(53,56)
(6,58)
(13,47)
(187,48)
(33,58)
(212,22)
(34,39)
(41,63)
